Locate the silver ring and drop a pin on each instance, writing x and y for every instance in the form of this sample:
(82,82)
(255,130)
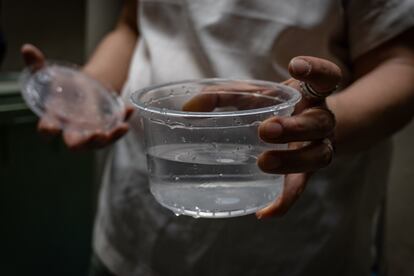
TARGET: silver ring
(310,93)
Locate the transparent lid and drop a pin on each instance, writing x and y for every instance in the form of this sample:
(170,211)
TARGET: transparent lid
(73,99)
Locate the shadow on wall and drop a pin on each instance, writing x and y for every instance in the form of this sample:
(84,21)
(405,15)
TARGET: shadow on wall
(400,218)
(56,27)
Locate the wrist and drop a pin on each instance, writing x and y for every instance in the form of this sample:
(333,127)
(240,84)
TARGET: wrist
(93,72)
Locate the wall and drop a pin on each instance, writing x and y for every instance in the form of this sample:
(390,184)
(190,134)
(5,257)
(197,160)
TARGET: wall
(400,213)
(46,192)
(57,27)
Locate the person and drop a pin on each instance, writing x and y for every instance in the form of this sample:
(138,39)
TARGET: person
(327,230)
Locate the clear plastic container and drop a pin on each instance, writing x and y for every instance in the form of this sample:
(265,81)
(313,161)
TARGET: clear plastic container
(70,98)
(203,163)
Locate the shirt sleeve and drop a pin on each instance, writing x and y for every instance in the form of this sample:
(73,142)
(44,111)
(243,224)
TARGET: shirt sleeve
(374,22)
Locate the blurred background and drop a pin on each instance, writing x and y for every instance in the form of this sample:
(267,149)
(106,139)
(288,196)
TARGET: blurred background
(48,195)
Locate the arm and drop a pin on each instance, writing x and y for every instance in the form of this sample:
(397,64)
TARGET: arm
(381,99)
(111,59)
(109,64)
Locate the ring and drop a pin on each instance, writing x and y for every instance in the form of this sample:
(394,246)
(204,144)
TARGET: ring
(311,93)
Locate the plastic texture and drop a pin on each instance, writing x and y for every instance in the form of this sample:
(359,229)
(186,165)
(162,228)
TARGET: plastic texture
(70,98)
(202,144)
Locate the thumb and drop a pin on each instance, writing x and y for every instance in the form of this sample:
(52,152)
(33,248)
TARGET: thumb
(33,57)
(322,75)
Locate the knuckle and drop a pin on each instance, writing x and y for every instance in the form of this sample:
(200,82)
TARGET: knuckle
(326,156)
(327,121)
(323,121)
(298,124)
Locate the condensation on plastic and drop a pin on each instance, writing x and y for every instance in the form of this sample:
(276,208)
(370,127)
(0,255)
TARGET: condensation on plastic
(71,98)
(204,163)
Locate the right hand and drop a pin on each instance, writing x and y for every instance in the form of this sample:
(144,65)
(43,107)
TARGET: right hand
(308,131)
(74,138)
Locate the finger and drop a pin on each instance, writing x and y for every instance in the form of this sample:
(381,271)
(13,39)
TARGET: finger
(202,103)
(309,158)
(129,110)
(234,94)
(49,127)
(101,139)
(311,124)
(322,75)
(118,132)
(33,57)
(95,140)
(75,140)
(293,187)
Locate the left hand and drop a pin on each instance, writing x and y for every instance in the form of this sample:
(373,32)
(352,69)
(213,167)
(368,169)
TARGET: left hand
(308,132)
(84,131)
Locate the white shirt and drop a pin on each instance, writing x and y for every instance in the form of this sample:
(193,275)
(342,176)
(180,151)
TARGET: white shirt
(328,231)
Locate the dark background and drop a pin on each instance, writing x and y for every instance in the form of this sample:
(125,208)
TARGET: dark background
(47,194)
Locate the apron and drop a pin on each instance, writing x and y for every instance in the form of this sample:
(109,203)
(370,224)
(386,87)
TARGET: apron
(327,232)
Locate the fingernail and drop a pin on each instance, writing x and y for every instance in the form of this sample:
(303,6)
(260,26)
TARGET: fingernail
(300,67)
(272,130)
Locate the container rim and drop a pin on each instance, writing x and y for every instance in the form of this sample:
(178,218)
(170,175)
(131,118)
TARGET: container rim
(295,97)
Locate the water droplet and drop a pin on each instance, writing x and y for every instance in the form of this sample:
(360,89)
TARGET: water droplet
(183,139)
(227,139)
(197,214)
(174,125)
(176,178)
(220,175)
(59,89)
(177,214)
(225,160)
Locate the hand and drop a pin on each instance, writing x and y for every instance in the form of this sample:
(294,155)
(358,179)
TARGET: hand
(74,136)
(308,132)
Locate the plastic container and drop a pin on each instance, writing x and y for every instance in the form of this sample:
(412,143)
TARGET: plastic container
(203,164)
(70,98)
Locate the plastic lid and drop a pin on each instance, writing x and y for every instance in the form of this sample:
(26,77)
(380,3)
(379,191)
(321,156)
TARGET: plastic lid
(65,95)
